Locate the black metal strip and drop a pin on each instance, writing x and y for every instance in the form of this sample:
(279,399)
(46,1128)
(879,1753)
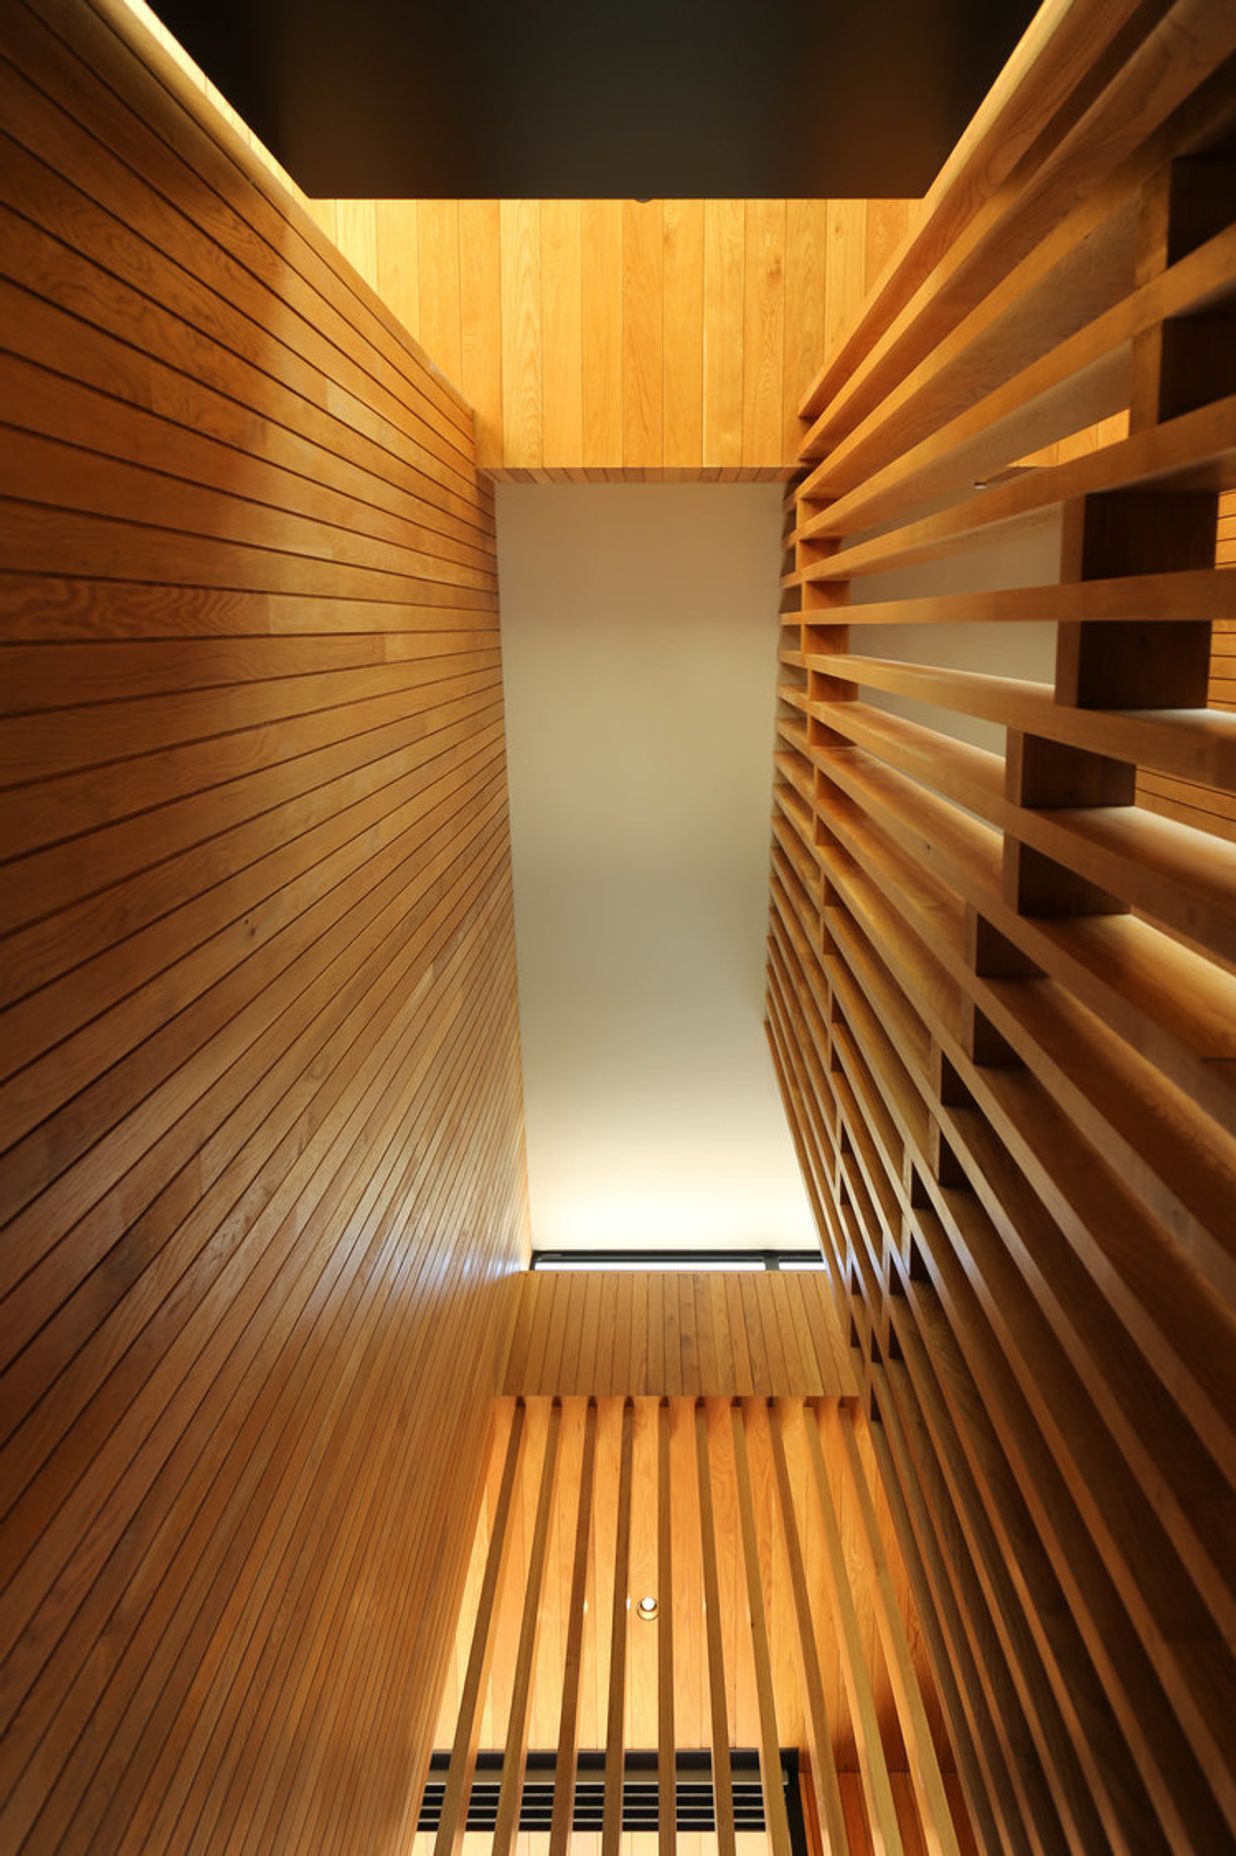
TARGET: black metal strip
(677,1259)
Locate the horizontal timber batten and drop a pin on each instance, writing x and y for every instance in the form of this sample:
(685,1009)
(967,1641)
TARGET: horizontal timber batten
(262,1161)
(1002,951)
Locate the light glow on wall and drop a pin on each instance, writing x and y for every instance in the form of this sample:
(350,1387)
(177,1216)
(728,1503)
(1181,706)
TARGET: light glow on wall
(639,643)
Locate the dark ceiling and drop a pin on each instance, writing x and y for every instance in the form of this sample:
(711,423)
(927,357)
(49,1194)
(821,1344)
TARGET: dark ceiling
(619,98)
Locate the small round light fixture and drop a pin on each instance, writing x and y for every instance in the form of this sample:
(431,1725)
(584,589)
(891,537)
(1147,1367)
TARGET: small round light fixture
(647,1609)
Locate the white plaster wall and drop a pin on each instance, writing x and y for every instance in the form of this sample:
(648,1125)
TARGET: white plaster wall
(639,640)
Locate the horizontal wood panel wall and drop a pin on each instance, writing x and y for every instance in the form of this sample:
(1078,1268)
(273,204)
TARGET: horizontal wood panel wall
(860,1705)
(262,1168)
(1002,993)
(620,338)
(709,1333)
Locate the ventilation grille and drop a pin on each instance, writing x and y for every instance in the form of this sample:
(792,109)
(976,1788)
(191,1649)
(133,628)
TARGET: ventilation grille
(694,1807)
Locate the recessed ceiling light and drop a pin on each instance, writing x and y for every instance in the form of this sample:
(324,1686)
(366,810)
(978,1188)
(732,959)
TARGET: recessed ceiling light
(647,1609)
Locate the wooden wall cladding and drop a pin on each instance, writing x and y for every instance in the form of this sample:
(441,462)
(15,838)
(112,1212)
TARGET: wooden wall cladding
(262,1171)
(785,1616)
(619,338)
(1002,992)
(708,1333)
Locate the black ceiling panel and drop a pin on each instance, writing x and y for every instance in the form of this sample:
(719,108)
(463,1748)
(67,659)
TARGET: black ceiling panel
(604,98)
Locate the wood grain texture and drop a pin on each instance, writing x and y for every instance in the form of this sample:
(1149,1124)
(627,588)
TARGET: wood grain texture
(452,1827)
(573,1650)
(510,1792)
(562,331)
(1189,801)
(718,1708)
(262,1169)
(764,329)
(619,1639)
(654,339)
(671,1332)
(643,354)
(523,363)
(682,340)
(775,1814)
(721,1525)
(1005,1044)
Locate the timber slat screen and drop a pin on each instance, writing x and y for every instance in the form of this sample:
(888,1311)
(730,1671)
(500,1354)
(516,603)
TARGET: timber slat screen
(1002,955)
(262,1163)
(783,1636)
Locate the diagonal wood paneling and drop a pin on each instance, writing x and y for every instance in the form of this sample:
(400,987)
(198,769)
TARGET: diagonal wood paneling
(262,1168)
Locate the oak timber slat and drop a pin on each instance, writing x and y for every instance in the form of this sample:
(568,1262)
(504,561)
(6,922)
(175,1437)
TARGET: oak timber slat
(978,997)
(758,1501)
(770,1753)
(1013,1775)
(722,1780)
(615,1741)
(938,1831)
(568,1730)
(675,1348)
(452,1827)
(1161,596)
(1047,65)
(653,340)
(1094,1749)
(1194,451)
(1077,1193)
(881,1812)
(510,1791)
(1174,1007)
(667,1744)
(995,202)
(154,1567)
(1166,870)
(1193,743)
(263,1072)
(1091,367)
(823,1764)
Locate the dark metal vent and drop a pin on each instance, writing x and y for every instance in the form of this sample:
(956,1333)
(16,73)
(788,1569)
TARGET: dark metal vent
(693,1809)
